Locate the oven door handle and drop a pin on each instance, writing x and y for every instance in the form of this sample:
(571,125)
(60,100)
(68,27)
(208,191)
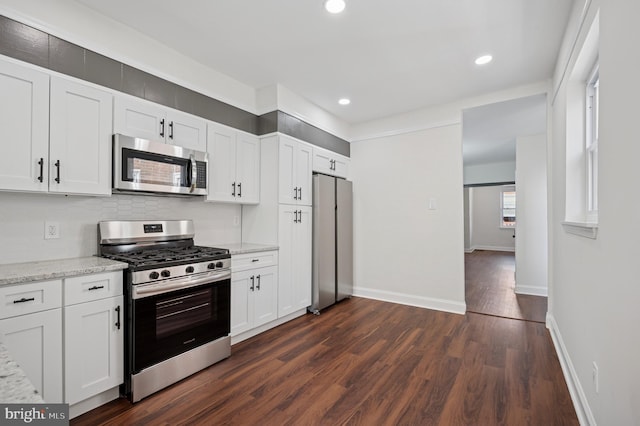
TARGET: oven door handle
(140,291)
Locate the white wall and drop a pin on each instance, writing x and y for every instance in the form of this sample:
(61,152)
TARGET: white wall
(468,212)
(485,220)
(403,251)
(22,218)
(594,289)
(531,215)
(490,173)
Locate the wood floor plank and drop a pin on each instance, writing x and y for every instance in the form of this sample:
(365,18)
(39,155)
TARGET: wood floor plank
(366,362)
(490,287)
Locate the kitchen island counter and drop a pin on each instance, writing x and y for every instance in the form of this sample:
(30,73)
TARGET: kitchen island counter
(15,387)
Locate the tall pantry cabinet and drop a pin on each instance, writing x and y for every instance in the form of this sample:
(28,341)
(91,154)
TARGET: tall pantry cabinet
(283,217)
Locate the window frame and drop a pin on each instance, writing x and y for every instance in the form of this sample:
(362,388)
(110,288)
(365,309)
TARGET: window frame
(503,224)
(592,119)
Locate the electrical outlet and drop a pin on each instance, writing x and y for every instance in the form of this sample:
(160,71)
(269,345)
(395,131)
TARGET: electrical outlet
(594,376)
(51,230)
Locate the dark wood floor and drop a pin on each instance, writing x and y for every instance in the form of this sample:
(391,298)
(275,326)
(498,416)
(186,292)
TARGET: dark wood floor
(490,284)
(366,362)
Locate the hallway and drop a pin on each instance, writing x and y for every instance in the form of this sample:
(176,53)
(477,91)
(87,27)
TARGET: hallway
(489,288)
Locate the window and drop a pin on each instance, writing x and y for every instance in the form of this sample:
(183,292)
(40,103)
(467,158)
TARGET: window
(591,145)
(508,207)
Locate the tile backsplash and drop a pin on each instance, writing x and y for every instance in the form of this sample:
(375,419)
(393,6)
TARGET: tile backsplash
(22,219)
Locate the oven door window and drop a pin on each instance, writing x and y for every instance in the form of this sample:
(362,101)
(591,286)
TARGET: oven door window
(156,169)
(168,324)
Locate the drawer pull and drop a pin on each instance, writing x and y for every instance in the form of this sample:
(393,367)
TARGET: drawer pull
(96,287)
(255,260)
(24,299)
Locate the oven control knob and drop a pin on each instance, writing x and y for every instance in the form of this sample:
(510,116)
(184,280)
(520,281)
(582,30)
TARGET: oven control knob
(211,266)
(154,275)
(219,265)
(166,273)
(189,270)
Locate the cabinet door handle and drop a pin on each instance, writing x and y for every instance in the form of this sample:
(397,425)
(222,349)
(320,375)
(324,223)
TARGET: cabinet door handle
(240,189)
(252,283)
(255,260)
(258,285)
(300,193)
(295,193)
(162,127)
(234,189)
(299,216)
(41,164)
(24,299)
(118,317)
(295,216)
(57,164)
(96,287)
(171,130)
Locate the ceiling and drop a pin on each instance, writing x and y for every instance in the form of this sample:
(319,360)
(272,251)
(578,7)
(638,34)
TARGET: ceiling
(388,57)
(489,132)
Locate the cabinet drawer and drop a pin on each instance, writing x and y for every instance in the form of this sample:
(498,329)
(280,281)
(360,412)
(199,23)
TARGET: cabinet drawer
(241,262)
(92,287)
(28,298)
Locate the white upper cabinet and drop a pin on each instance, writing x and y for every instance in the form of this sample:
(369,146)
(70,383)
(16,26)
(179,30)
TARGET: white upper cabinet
(24,119)
(147,120)
(56,133)
(234,165)
(80,139)
(294,171)
(330,163)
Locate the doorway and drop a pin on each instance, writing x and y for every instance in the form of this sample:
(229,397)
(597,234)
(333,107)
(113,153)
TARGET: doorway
(504,275)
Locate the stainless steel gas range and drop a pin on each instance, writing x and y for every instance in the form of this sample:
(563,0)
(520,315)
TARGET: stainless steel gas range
(177,301)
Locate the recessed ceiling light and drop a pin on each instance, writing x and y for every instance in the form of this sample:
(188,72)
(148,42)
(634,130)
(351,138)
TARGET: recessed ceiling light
(344,101)
(334,6)
(483,60)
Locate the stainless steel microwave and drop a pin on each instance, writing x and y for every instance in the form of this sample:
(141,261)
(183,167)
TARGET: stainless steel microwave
(143,166)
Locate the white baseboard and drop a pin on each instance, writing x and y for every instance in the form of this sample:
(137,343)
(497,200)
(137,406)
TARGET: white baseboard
(255,331)
(94,402)
(532,290)
(412,300)
(469,250)
(494,248)
(580,403)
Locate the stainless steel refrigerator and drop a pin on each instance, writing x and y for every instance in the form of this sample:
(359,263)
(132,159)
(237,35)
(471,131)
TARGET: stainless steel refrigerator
(332,241)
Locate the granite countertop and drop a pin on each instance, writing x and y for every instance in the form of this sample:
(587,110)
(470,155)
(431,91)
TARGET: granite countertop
(15,387)
(241,248)
(15,273)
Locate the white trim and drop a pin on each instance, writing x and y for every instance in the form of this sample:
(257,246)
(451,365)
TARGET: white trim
(402,131)
(494,248)
(255,331)
(583,229)
(532,290)
(92,402)
(578,397)
(469,250)
(412,300)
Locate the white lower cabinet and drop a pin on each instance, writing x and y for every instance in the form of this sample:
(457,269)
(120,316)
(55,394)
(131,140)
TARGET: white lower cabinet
(294,236)
(254,291)
(93,335)
(31,330)
(93,348)
(72,352)
(35,343)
